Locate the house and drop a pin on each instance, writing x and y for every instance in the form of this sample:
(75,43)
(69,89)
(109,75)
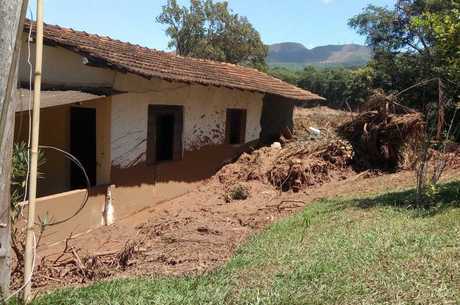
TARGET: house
(151,123)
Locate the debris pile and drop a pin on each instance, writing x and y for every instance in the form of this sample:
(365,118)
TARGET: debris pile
(303,166)
(297,165)
(383,139)
(446,158)
(248,167)
(312,155)
(70,267)
(324,119)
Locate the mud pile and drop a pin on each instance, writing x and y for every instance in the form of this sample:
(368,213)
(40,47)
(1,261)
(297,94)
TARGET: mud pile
(298,165)
(301,167)
(305,160)
(325,119)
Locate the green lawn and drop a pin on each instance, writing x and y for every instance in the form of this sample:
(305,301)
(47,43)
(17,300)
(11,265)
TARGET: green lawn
(372,250)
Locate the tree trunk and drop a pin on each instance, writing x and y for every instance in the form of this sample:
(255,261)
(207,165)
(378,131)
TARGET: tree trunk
(12,14)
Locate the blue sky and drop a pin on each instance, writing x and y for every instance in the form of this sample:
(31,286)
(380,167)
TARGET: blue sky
(311,22)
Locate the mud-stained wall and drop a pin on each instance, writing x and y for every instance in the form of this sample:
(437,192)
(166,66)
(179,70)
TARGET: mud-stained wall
(204,115)
(63,67)
(61,206)
(204,106)
(137,188)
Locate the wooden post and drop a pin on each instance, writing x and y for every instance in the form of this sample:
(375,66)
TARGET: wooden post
(30,234)
(12,14)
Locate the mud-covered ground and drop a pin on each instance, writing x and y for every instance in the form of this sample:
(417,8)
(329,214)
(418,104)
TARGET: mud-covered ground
(201,230)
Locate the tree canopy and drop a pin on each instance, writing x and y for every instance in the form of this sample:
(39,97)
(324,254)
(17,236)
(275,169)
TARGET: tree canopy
(413,41)
(210,30)
(342,87)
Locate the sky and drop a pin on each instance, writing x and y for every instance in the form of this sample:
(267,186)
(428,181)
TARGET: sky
(310,22)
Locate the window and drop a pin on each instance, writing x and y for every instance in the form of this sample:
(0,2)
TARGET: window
(236,126)
(164,134)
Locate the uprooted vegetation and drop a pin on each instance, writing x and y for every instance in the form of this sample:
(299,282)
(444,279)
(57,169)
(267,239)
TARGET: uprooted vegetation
(237,192)
(293,167)
(377,139)
(383,141)
(329,145)
(71,267)
(381,137)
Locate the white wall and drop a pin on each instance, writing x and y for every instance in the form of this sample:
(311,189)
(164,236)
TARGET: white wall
(204,114)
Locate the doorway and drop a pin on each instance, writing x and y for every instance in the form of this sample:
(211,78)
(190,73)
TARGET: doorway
(83,145)
(164,135)
(236,126)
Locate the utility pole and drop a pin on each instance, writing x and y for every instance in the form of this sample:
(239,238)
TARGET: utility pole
(12,15)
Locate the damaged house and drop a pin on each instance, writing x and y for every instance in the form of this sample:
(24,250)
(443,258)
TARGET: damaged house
(151,123)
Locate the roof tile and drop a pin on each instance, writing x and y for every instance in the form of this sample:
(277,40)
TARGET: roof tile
(153,63)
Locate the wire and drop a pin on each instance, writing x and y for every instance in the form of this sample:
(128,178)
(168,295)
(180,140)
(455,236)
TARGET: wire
(88,183)
(424,82)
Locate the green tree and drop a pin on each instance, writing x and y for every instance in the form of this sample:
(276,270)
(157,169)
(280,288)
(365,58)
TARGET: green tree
(210,30)
(288,75)
(340,86)
(413,41)
(445,28)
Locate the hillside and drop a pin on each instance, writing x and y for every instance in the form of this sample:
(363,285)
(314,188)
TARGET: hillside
(296,55)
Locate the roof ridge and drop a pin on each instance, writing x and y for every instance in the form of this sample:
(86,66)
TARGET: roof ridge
(147,48)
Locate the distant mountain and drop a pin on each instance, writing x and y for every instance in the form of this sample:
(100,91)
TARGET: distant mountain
(296,55)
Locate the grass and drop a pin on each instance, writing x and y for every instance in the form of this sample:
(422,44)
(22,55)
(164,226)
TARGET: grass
(374,250)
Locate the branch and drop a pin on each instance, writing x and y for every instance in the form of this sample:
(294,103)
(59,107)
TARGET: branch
(413,46)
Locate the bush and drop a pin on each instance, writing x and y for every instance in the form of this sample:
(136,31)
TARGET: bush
(237,192)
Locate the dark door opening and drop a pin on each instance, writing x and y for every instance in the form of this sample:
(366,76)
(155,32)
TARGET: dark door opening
(83,145)
(236,126)
(164,138)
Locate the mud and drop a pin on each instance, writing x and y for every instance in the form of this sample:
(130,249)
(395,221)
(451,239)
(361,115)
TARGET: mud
(201,230)
(189,235)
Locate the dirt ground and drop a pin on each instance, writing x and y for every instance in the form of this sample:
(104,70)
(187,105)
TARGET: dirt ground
(199,231)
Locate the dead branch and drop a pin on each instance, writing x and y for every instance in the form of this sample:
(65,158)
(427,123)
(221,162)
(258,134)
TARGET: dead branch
(79,262)
(66,248)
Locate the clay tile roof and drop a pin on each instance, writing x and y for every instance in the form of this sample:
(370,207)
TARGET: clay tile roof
(150,63)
